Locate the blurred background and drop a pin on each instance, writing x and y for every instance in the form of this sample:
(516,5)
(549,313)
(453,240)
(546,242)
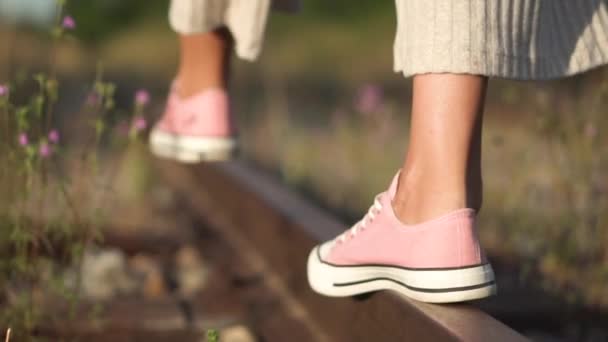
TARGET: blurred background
(322,116)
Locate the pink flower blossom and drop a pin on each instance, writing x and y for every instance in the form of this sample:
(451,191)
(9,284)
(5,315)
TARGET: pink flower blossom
(142,97)
(92,99)
(44,149)
(369,98)
(3,89)
(590,130)
(139,124)
(54,136)
(23,140)
(68,23)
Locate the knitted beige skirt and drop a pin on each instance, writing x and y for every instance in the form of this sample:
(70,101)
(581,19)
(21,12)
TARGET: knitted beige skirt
(521,39)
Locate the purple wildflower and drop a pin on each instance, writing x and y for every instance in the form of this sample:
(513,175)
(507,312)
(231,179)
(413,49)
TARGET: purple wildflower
(142,97)
(590,130)
(54,136)
(44,149)
(139,124)
(23,140)
(68,23)
(369,98)
(3,89)
(92,99)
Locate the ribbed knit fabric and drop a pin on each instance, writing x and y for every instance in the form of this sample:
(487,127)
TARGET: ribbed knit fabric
(520,39)
(246,20)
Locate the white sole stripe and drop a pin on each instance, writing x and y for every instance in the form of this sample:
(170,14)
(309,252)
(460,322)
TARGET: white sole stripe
(190,149)
(437,285)
(418,289)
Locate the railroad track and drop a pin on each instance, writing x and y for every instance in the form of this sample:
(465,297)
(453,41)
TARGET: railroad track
(254,235)
(270,231)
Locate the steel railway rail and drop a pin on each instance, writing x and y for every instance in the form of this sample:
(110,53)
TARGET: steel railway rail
(273,230)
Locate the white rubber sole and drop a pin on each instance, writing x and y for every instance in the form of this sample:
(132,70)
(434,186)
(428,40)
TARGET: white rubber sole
(190,149)
(439,285)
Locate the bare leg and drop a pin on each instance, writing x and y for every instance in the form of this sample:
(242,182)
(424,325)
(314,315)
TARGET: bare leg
(442,170)
(204,61)
(441,174)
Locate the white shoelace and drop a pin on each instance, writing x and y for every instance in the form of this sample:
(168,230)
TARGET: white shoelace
(362,224)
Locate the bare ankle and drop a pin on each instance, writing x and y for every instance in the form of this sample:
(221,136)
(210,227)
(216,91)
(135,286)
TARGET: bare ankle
(204,62)
(426,208)
(420,200)
(189,86)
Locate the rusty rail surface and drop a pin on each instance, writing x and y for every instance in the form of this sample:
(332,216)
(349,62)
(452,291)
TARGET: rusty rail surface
(274,229)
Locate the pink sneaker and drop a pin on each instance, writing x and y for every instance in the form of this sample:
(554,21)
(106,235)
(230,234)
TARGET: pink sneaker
(195,129)
(438,261)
